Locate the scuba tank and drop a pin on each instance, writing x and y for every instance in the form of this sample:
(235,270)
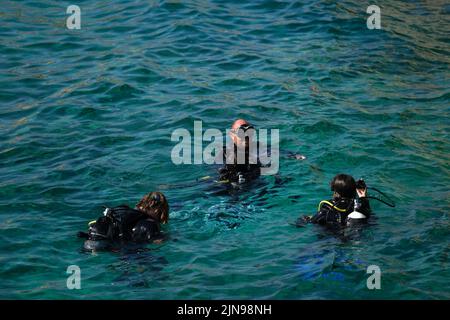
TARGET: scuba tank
(355,215)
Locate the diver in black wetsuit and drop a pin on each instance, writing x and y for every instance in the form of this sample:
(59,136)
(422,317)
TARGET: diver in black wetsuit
(348,206)
(240,165)
(123,224)
(242,159)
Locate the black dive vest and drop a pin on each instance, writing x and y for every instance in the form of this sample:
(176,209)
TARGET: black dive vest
(333,212)
(234,172)
(123,223)
(336,211)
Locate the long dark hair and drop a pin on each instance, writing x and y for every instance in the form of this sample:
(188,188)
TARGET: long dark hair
(155,205)
(344,186)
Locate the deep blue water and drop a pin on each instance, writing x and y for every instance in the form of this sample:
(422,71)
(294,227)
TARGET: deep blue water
(86,118)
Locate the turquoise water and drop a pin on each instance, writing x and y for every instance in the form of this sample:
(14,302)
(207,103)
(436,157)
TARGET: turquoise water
(86,118)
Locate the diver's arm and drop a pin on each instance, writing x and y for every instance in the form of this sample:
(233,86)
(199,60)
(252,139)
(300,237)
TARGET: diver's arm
(321,216)
(284,153)
(292,155)
(83,235)
(365,205)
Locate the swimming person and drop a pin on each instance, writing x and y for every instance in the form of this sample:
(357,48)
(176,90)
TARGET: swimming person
(123,224)
(242,159)
(236,169)
(348,205)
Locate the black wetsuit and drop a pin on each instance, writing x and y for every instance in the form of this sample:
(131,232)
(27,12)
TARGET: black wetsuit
(120,224)
(234,172)
(337,213)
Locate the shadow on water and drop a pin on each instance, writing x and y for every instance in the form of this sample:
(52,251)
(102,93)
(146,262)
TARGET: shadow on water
(240,201)
(233,203)
(328,258)
(139,268)
(137,265)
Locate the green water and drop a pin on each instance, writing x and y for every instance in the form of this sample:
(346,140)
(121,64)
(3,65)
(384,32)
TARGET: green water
(86,118)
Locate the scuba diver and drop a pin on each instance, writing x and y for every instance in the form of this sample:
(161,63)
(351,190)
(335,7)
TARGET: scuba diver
(241,159)
(348,206)
(123,224)
(233,170)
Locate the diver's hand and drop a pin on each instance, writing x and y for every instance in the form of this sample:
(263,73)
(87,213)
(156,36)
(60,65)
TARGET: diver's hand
(295,156)
(302,221)
(362,192)
(361,188)
(82,234)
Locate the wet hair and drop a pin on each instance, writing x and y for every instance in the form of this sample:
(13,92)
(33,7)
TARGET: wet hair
(155,205)
(344,186)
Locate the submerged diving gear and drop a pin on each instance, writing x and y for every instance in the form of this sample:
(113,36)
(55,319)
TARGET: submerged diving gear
(233,171)
(145,230)
(120,223)
(239,173)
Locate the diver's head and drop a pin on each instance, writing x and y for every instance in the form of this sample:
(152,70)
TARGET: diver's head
(241,131)
(343,186)
(155,205)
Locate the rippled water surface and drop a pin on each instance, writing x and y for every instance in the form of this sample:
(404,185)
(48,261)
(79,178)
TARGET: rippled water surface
(86,118)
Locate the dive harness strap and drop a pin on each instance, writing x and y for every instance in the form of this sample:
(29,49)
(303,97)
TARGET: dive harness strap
(331,205)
